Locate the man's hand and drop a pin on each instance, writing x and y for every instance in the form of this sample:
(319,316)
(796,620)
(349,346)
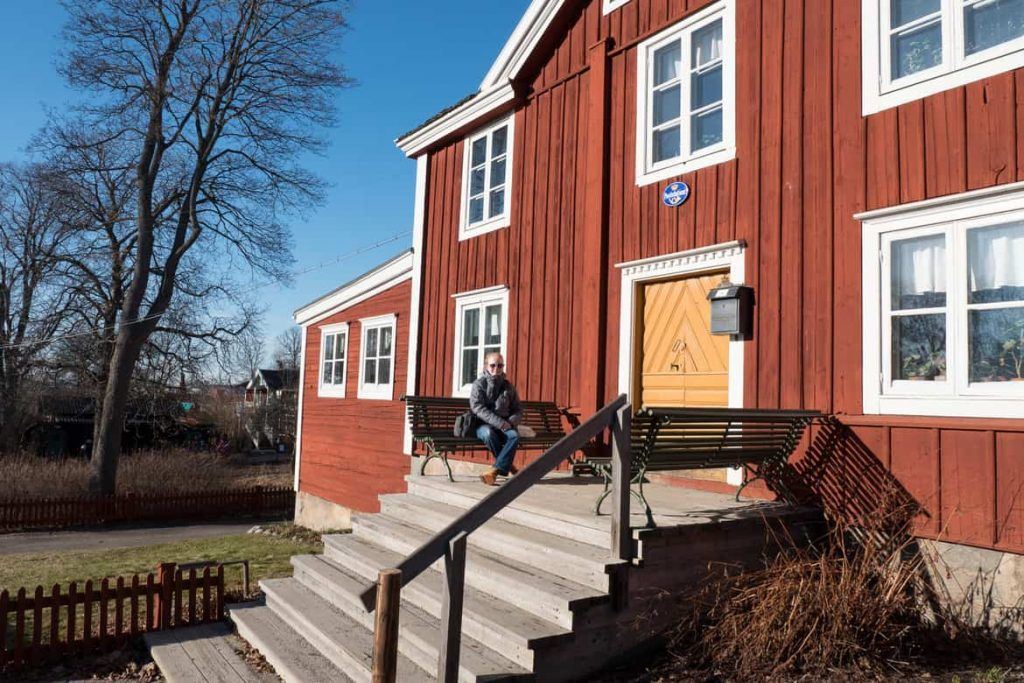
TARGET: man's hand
(506,426)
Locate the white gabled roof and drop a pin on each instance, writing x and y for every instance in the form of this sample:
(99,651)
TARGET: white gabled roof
(496,91)
(383,277)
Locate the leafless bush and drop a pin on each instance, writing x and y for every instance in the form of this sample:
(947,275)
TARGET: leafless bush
(167,471)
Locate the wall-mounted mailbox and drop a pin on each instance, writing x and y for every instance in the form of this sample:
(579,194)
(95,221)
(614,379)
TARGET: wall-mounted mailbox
(732,309)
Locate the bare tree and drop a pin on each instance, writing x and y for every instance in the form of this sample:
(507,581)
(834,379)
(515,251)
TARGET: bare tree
(288,353)
(240,357)
(214,102)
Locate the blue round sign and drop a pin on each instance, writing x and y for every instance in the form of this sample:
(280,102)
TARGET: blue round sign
(676,194)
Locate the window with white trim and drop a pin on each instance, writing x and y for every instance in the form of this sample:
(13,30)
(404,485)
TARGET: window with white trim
(685,99)
(947,310)
(377,358)
(333,360)
(481,327)
(487,180)
(914,48)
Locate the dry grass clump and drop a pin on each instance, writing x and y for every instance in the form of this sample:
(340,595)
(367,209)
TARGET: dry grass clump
(164,471)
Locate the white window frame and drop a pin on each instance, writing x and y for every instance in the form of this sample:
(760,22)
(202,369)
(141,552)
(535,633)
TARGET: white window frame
(881,92)
(954,397)
(647,171)
(479,298)
(612,5)
(503,220)
(377,391)
(332,390)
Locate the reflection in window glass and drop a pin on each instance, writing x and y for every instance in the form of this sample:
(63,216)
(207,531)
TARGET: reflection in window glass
(919,347)
(988,23)
(997,345)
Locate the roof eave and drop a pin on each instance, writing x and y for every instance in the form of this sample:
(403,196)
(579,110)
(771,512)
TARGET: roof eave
(458,120)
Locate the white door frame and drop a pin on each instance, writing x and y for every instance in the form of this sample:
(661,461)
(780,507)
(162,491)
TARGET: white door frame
(728,256)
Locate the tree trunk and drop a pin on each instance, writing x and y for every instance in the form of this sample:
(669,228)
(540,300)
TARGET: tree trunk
(110,414)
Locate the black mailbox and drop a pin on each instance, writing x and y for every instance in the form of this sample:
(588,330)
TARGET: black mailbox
(732,309)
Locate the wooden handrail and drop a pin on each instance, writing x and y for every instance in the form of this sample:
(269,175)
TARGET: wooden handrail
(437,546)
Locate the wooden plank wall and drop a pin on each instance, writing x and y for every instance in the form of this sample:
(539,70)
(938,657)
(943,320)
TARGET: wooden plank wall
(352,448)
(806,162)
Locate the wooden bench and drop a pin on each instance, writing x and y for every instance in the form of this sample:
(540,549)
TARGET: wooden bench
(664,439)
(432,422)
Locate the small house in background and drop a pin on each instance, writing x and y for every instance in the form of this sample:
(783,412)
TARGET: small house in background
(349,447)
(269,408)
(267,385)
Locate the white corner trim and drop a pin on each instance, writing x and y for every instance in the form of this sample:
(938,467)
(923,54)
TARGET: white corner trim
(729,256)
(298,412)
(381,278)
(332,390)
(418,223)
(612,5)
(463,116)
(504,219)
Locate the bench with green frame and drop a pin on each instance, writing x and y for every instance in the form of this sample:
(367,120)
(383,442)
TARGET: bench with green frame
(432,423)
(667,439)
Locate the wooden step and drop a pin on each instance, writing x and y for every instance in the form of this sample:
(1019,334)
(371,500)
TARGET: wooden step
(201,654)
(338,637)
(581,562)
(500,625)
(293,657)
(419,631)
(547,595)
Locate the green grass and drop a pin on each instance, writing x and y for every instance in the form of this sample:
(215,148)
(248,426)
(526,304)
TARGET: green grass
(268,558)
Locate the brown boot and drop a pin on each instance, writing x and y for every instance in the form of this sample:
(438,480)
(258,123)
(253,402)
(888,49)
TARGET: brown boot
(490,477)
(513,470)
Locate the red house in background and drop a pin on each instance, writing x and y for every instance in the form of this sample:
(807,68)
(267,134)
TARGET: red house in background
(858,163)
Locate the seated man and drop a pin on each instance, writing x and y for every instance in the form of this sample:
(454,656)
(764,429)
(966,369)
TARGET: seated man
(495,403)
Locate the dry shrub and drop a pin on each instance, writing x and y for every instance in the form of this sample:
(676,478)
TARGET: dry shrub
(164,471)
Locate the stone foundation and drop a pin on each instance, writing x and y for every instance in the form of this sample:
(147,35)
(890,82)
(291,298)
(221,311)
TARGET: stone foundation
(320,514)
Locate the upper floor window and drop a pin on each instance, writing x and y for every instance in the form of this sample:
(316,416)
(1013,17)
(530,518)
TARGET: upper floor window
(487,180)
(377,364)
(944,310)
(914,48)
(481,320)
(686,111)
(333,360)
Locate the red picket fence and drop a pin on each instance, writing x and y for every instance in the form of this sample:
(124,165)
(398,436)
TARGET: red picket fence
(52,624)
(84,510)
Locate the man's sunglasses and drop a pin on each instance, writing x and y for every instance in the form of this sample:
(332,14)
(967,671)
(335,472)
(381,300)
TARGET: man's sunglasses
(496,365)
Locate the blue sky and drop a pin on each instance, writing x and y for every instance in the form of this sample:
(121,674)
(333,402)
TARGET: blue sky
(411,58)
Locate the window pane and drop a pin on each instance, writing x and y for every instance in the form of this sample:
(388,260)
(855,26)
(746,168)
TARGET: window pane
(707,44)
(499,142)
(906,11)
(339,345)
(995,258)
(497,173)
(497,203)
(329,347)
(386,335)
(916,50)
(476,210)
(470,365)
(384,371)
(919,273)
(476,182)
(479,152)
(369,371)
(919,347)
(471,327)
(707,130)
(997,345)
(668,63)
(987,24)
(666,105)
(371,343)
(706,88)
(327,373)
(666,144)
(492,320)
(339,373)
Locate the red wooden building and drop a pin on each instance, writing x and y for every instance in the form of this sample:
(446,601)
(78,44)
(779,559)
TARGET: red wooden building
(858,163)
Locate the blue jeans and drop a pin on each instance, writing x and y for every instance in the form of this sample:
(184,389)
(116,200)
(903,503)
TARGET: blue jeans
(502,444)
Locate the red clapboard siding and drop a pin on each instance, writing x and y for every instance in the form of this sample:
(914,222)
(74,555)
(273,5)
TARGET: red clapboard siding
(351,447)
(807,161)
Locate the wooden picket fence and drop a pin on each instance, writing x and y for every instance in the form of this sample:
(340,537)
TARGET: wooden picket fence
(32,513)
(48,625)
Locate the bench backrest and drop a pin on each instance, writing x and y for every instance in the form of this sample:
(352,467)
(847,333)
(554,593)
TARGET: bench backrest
(433,417)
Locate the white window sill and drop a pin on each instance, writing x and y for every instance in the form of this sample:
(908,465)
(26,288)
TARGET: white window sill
(683,167)
(482,228)
(995,408)
(330,391)
(377,392)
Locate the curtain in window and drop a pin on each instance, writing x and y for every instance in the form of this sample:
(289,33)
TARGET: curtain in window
(919,267)
(996,257)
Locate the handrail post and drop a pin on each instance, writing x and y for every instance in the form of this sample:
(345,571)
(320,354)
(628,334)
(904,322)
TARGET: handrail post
(622,537)
(385,632)
(451,610)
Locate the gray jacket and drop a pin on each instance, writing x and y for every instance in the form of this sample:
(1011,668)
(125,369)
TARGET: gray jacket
(495,401)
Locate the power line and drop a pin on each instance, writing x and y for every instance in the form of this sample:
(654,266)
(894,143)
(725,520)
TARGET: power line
(306,271)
